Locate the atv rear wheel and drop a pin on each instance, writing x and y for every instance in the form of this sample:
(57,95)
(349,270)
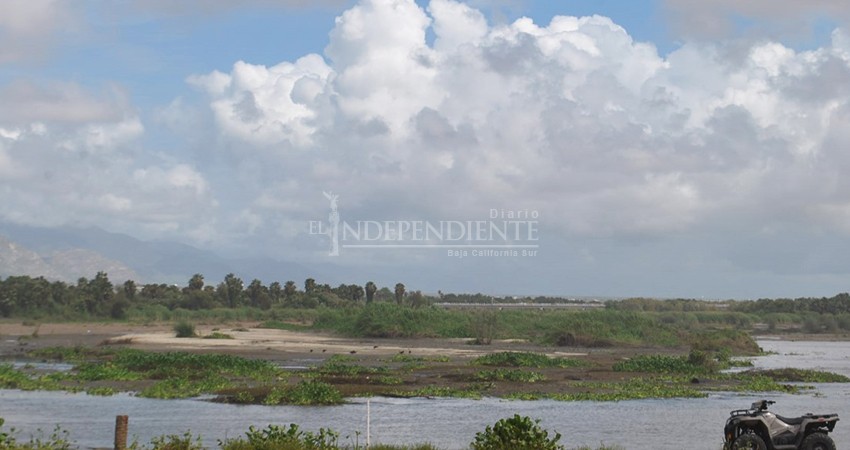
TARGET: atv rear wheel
(749,441)
(818,441)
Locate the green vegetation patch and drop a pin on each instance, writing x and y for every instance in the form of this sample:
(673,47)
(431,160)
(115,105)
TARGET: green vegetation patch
(309,392)
(800,375)
(658,364)
(634,389)
(184,329)
(471,392)
(526,359)
(218,335)
(72,354)
(517,375)
(190,365)
(11,378)
(172,388)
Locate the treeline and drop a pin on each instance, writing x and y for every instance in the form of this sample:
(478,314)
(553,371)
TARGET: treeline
(24,296)
(480,299)
(839,304)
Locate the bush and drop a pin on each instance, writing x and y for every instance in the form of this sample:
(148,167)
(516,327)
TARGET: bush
(276,437)
(58,440)
(184,329)
(516,433)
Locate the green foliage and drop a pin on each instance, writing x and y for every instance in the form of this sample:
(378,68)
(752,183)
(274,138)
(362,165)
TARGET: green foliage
(385,320)
(307,392)
(186,441)
(312,392)
(472,392)
(418,360)
(517,375)
(190,365)
(800,375)
(177,387)
(275,437)
(525,359)
(218,335)
(58,440)
(697,362)
(10,378)
(516,433)
(736,341)
(335,367)
(632,389)
(184,329)
(76,353)
(105,370)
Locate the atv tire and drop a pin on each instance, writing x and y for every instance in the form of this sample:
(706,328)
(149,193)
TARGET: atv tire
(749,441)
(818,441)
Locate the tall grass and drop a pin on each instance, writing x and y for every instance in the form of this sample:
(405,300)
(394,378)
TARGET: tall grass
(705,330)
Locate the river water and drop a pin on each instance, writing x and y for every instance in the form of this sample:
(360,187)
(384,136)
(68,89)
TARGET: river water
(695,424)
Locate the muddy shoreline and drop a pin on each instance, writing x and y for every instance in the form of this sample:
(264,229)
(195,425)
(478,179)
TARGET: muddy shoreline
(442,364)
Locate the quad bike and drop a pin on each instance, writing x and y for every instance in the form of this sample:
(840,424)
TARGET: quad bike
(758,429)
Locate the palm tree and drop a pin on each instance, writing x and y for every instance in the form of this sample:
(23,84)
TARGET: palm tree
(399,293)
(371,288)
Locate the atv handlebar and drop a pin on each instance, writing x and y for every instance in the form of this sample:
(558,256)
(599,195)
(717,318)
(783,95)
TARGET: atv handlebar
(762,405)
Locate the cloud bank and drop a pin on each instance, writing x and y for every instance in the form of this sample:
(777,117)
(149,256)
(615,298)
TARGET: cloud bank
(434,113)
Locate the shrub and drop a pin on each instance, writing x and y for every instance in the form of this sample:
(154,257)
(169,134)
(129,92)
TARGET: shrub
(184,329)
(58,440)
(516,433)
(275,437)
(175,442)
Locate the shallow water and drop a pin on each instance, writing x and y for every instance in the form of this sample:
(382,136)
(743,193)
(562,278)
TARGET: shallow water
(694,424)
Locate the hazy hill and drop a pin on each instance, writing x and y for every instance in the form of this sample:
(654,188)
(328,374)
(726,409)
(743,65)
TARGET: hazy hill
(67,253)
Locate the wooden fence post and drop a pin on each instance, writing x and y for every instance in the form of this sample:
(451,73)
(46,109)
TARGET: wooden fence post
(121,432)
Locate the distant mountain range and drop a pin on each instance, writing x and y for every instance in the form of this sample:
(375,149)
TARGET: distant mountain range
(68,253)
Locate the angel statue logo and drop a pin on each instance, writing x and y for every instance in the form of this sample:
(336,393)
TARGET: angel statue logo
(501,233)
(333,219)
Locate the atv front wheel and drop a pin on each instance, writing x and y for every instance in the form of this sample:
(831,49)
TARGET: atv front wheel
(749,441)
(818,441)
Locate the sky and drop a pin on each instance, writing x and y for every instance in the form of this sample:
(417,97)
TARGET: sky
(663,148)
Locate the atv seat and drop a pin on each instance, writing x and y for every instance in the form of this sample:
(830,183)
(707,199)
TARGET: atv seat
(791,420)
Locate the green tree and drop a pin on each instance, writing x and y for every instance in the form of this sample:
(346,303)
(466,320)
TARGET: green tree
(399,293)
(309,285)
(417,299)
(289,290)
(275,292)
(258,295)
(98,294)
(371,288)
(356,292)
(130,290)
(229,291)
(196,283)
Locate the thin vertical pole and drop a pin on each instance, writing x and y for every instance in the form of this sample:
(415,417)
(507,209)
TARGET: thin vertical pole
(368,422)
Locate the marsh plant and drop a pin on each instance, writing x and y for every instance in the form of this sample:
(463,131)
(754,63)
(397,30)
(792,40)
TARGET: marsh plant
(184,329)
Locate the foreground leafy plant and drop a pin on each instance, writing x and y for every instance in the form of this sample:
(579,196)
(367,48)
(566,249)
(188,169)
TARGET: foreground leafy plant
(516,433)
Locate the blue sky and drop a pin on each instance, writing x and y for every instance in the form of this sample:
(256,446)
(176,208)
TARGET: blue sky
(671,148)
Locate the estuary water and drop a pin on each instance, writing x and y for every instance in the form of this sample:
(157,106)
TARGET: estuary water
(695,424)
